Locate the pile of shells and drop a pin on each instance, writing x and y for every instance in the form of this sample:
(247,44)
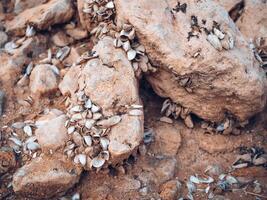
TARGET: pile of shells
(23,141)
(220,40)
(88,131)
(127,40)
(250,157)
(99,10)
(175,110)
(260,51)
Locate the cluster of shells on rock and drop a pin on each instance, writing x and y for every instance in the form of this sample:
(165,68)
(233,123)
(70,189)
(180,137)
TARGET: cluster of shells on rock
(99,10)
(21,138)
(88,131)
(127,40)
(175,110)
(220,39)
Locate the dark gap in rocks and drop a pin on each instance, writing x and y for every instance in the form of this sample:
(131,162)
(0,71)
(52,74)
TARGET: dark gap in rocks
(237,10)
(113,171)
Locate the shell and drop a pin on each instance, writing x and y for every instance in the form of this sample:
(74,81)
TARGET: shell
(30,31)
(218,33)
(97,116)
(63,53)
(135,112)
(29,68)
(31,139)
(82,159)
(165,105)
(76,196)
(126,46)
(76,117)
(117,43)
(88,104)
(54,69)
(71,129)
(189,122)
(33,146)
(104,142)
(106,123)
(95,108)
(231,180)
(98,162)
(260,161)
(88,140)
(16,141)
(18,125)
(166,120)
(136,106)
(214,41)
(76,109)
(104,155)
(110,5)
(28,130)
(77,138)
(89,123)
(131,54)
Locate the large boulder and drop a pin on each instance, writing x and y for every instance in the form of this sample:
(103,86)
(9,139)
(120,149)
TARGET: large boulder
(211,77)
(112,76)
(42,16)
(253,21)
(45,177)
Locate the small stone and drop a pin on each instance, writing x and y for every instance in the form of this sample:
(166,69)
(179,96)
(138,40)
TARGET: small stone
(166,120)
(60,39)
(77,33)
(170,190)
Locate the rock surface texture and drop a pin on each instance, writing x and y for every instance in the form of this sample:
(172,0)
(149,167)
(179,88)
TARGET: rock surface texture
(45,176)
(190,72)
(42,16)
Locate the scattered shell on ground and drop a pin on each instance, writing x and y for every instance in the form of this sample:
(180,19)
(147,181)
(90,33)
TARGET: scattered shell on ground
(76,196)
(98,162)
(28,130)
(135,112)
(189,122)
(104,142)
(131,54)
(261,160)
(111,121)
(214,41)
(88,104)
(77,138)
(166,120)
(16,141)
(95,108)
(218,33)
(18,125)
(71,129)
(88,140)
(89,123)
(30,31)
(33,146)
(63,53)
(136,106)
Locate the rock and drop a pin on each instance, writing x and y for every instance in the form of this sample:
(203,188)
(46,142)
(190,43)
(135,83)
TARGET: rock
(21,5)
(11,68)
(165,170)
(51,132)
(60,39)
(167,139)
(45,177)
(69,84)
(3,38)
(84,18)
(125,137)
(41,17)
(170,190)
(7,160)
(77,33)
(214,170)
(229,83)
(31,47)
(72,57)
(127,184)
(43,79)
(253,21)
(2,101)
(221,143)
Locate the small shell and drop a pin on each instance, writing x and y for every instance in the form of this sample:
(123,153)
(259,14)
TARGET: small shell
(131,54)
(110,5)
(54,69)
(98,162)
(260,161)
(88,140)
(188,122)
(126,46)
(76,109)
(88,104)
(165,105)
(29,68)
(16,141)
(106,123)
(76,117)
(166,120)
(77,138)
(241,165)
(76,196)
(31,139)
(18,125)
(71,129)
(131,34)
(89,123)
(136,106)
(28,130)
(135,112)
(231,180)
(97,116)
(30,31)
(82,159)
(104,155)
(104,142)
(117,43)
(63,53)
(95,108)
(218,33)
(33,146)
(214,41)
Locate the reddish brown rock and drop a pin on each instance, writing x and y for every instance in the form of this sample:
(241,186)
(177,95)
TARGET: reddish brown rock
(211,82)
(170,190)
(42,16)
(45,177)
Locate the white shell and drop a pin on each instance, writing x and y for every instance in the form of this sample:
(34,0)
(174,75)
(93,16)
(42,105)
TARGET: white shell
(76,109)
(89,123)
(71,129)
(88,140)
(136,106)
(126,46)
(76,196)
(77,138)
(218,33)
(104,142)
(28,130)
(18,125)
(33,146)
(214,41)
(29,68)
(88,104)
(16,141)
(136,112)
(110,5)
(82,159)
(31,139)
(131,54)
(54,69)
(98,162)
(97,116)
(106,123)
(30,31)
(95,108)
